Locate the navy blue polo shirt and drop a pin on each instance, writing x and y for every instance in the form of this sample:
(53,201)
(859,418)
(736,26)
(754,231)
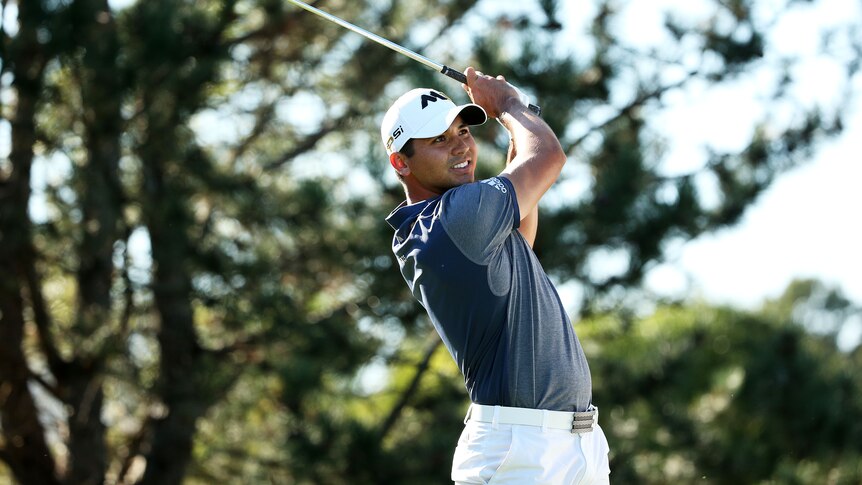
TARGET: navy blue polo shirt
(489,298)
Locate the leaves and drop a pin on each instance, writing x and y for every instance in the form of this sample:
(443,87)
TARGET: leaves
(197,273)
(722,395)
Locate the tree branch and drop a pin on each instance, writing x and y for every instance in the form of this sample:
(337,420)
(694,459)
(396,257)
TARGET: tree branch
(263,116)
(138,446)
(5,457)
(42,318)
(309,142)
(128,292)
(53,389)
(626,110)
(421,368)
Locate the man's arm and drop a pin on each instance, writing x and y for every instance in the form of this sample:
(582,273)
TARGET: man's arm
(529,224)
(538,157)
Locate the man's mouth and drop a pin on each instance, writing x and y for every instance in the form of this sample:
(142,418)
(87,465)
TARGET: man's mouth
(463,164)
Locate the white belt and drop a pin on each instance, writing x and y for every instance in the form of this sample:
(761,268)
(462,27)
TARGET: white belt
(576,422)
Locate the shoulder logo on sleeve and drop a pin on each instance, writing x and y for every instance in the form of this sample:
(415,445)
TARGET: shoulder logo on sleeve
(497,184)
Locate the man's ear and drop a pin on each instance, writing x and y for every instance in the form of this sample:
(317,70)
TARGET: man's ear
(399,163)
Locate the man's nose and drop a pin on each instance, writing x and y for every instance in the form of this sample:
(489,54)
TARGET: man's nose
(461,147)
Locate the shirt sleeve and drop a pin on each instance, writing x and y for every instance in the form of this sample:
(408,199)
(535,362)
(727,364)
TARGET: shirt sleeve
(478,217)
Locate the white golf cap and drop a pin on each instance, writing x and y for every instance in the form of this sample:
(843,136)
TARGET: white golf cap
(423,113)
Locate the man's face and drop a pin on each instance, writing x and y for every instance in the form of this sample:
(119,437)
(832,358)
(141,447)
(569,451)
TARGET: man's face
(445,161)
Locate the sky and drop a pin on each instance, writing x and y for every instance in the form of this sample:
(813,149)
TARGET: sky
(806,224)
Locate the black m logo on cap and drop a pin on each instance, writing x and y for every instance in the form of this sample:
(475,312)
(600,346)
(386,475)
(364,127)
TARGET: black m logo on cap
(433,97)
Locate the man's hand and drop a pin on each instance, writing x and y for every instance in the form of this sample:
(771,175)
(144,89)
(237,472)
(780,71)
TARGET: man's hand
(493,94)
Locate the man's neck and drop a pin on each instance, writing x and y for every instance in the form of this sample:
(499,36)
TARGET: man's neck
(418,194)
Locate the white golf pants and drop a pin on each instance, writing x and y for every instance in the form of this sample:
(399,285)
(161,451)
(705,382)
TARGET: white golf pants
(520,454)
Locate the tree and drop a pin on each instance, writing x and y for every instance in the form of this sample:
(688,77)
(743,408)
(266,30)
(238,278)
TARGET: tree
(194,265)
(715,395)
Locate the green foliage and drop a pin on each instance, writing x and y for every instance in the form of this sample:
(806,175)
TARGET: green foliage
(716,395)
(197,285)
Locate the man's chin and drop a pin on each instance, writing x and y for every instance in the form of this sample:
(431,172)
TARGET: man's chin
(464,181)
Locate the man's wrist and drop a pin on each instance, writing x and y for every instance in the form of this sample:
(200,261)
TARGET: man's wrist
(510,106)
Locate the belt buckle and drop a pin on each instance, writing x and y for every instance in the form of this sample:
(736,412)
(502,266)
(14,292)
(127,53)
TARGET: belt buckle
(582,423)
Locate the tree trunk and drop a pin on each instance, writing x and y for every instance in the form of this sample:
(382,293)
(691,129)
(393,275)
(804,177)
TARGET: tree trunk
(25,449)
(101,93)
(181,369)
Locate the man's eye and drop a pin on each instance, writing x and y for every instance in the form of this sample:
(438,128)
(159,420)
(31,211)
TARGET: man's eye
(440,138)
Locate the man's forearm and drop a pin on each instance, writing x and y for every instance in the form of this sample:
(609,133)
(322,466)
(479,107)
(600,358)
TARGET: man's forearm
(539,158)
(529,224)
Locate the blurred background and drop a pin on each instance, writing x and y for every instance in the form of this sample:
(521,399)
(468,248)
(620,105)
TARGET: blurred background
(196,283)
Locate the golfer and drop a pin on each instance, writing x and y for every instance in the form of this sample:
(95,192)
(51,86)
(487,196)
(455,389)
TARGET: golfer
(465,249)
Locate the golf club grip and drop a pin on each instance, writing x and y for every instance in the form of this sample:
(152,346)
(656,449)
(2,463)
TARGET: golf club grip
(461,78)
(535,109)
(456,75)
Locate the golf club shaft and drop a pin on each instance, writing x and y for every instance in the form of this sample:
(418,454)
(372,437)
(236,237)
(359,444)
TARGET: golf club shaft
(452,73)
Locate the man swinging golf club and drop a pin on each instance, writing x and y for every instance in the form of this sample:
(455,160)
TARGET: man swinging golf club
(465,249)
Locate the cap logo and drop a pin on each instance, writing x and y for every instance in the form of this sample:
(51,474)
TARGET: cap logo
(398,131)
(432,97)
